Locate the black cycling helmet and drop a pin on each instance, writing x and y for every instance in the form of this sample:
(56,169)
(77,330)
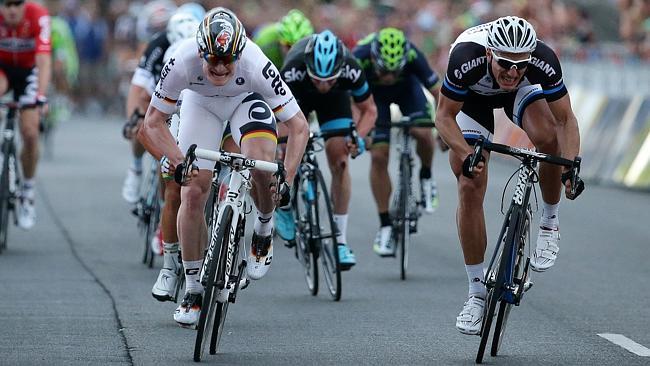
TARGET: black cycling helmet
(221,34)
(324,56)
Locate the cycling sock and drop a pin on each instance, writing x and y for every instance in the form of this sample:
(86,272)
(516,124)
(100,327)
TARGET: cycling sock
(384,219)
(342,224)
(192,280)
(264,223)
(425,172)
(476,274)
(136,164)
(28,188)
(550,217)
(170,255)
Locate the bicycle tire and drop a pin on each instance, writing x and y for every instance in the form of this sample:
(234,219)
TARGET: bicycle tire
(155,217)
(305,248)
(495,292)
(206,317)
(504,307)
(404,215)
(151,211)
(4,199)
(329,251)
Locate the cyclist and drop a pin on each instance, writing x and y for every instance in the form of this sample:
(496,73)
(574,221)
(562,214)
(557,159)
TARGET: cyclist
(25,68)
(276,39)
(397,71)
(181,25)
(230,80)
(494,65)
(323,74)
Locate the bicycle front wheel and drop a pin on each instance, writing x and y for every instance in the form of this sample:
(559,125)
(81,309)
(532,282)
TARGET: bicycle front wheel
(519,278)
(404,233)
(217,253)
(326,234)
(4,200)
(303,212)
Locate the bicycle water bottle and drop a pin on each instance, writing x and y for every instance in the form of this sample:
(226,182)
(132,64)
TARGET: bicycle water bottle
(308,190)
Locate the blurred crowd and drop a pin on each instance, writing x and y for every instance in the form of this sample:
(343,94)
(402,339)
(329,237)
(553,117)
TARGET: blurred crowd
(111,34)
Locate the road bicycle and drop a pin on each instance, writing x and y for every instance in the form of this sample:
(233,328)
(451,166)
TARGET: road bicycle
(10,175)
(507,277)
(223,272)
(405,208)
(316,229)
(148,208)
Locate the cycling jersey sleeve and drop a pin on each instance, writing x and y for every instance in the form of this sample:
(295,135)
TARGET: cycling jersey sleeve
(150,62)
(466,66)
(42,30)
(420,66)
(173,80)
(276,92)
(545,70)
(353,73)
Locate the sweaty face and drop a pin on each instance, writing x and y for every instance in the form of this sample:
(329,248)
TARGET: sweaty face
(220,73)
(508,68)
(13,11)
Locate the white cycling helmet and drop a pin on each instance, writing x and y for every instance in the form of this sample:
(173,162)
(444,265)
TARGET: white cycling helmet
(181,26)
(195,9)
(512,34)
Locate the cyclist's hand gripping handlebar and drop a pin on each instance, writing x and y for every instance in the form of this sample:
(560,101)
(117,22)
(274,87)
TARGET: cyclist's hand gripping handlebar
(185,171)
(571,180)
(129,129)
(472,160)
(282,194)
(356,141)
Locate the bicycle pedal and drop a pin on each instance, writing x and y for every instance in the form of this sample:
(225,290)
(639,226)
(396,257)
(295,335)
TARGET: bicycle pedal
(528,285)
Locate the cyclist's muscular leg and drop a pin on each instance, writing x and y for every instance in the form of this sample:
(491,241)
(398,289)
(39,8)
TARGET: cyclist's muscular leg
(469,216)
(539,125)
(425,145)
(379,177)
(337,157)
(262,149)
(170,212)
(4,83)
(191,220)
(29,129)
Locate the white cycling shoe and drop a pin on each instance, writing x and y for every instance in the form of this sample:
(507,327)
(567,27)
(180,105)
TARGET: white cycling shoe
(547,248)
(260,256)
(26,213)
(165,287)
(470,319)
(429,195)
(131,186)
(187,313)
(383,242)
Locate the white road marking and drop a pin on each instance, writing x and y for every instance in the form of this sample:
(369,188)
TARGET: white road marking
(627,343)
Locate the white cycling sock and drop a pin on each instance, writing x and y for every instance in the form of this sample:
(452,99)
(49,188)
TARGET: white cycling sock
(170,255)
(341,224)
(264,223)
(192,280)
(550,218)
(476,274)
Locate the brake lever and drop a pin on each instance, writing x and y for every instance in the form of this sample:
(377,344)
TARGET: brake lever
(574,176)
(478,152)
(354,135)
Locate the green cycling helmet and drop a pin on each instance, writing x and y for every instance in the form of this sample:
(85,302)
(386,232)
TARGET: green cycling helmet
(293,27)
(390,49)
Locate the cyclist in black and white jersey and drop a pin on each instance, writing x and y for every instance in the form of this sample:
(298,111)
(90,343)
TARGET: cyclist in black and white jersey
(324,75)
(502,65)
(223,77)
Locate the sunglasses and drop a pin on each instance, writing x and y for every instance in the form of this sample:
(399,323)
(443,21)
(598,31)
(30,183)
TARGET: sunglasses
(13,3)
(214,60)
(508,64)
(332,78)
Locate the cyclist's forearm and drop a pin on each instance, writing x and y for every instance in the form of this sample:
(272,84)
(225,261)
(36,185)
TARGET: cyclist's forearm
(452,135)
(299,133)
(44,65)
(157,139)
(137,99)
(569,138)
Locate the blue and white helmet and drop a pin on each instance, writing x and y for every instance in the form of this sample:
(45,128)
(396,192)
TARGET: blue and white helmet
(324,56)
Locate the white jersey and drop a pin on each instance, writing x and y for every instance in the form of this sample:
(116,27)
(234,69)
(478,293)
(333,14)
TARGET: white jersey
(254,72)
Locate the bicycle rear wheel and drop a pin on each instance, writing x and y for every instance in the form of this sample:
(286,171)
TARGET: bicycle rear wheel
(215,272)
(326,231)
(303,211)
(519,278)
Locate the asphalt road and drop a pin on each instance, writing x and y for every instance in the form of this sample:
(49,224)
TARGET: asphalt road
(73,290)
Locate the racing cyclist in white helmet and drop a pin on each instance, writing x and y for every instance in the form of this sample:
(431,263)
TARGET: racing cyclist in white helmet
(502,65)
